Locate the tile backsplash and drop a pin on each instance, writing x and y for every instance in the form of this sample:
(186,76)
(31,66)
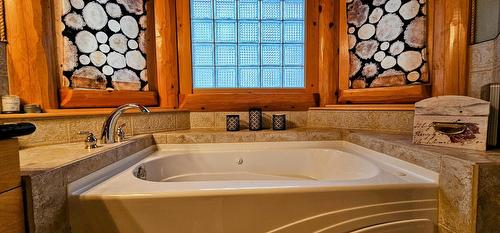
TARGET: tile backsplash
(485,66)
(206,120)
(65,129)
(56,130)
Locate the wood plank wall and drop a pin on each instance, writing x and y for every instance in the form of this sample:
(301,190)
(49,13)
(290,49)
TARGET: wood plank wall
(11,195)
(31,51)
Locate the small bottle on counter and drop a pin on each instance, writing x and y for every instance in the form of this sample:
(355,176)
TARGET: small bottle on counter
(11,104)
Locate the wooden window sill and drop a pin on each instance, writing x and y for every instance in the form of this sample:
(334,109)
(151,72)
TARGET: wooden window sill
(386,95)
(50,113)
(75,98)
(242,101)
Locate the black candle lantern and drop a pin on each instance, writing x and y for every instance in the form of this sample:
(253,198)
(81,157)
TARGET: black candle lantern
(279,122)
(233,123)
(255,119)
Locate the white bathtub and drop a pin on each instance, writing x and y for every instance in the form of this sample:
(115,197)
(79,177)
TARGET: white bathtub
(330,186)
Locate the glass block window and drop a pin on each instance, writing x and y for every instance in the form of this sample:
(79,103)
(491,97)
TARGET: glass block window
(248,43)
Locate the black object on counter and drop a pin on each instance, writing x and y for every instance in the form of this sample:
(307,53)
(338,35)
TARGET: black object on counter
(233,122)
(279,122)
(255,119)
(16,130)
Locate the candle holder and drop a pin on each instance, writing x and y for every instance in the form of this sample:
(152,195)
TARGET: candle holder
(255,119)
(233,123)
(279,122)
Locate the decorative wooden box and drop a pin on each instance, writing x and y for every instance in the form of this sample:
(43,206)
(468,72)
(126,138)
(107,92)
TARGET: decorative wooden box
(451,121)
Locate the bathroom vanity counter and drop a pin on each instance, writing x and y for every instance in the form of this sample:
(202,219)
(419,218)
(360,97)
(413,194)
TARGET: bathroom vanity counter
(467,178)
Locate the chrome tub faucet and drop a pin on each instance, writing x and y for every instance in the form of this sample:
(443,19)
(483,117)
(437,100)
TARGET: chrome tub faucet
(109,127)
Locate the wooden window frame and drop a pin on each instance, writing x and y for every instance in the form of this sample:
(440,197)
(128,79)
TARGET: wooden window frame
(35,56)
(448,39)
(78,98)
(33,61)
(236,99)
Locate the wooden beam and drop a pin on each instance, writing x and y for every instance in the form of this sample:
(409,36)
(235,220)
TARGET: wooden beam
(72,98)
(312,46)
(184,48)
(343,46)
(31,59)
(167,70)
(450,20)
(327,45)
(386,95)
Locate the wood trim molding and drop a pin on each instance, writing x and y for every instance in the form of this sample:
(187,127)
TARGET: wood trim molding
(386,95)
(448,55)
(73,98)
(312,46)
(242,99)
(34,58)
(184,48)
(327,47)
(167,70)
(343,49)
(449,29)
(242,102)
(53,113)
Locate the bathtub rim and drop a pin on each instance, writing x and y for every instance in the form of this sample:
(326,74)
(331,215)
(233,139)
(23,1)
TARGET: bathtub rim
(81,186)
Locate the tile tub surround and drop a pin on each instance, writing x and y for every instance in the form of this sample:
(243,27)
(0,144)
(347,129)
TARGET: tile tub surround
(57,130)
(396,121)
(207,120)
(221,136)
(459,171)
(485,65)
(488,202)
(47,171)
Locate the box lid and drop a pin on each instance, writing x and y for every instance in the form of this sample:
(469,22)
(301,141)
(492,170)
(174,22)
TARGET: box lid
(452,105)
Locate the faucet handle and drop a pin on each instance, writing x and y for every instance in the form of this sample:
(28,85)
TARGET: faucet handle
(90,140)
(120,132)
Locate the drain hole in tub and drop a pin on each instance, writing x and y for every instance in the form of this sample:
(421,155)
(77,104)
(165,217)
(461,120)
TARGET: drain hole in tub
(239,161)
(140,172)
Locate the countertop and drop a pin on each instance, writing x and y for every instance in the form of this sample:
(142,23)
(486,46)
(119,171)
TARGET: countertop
(44,158)
(467,178)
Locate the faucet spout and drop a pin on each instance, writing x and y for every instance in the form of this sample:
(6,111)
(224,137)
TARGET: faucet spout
(109,126)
